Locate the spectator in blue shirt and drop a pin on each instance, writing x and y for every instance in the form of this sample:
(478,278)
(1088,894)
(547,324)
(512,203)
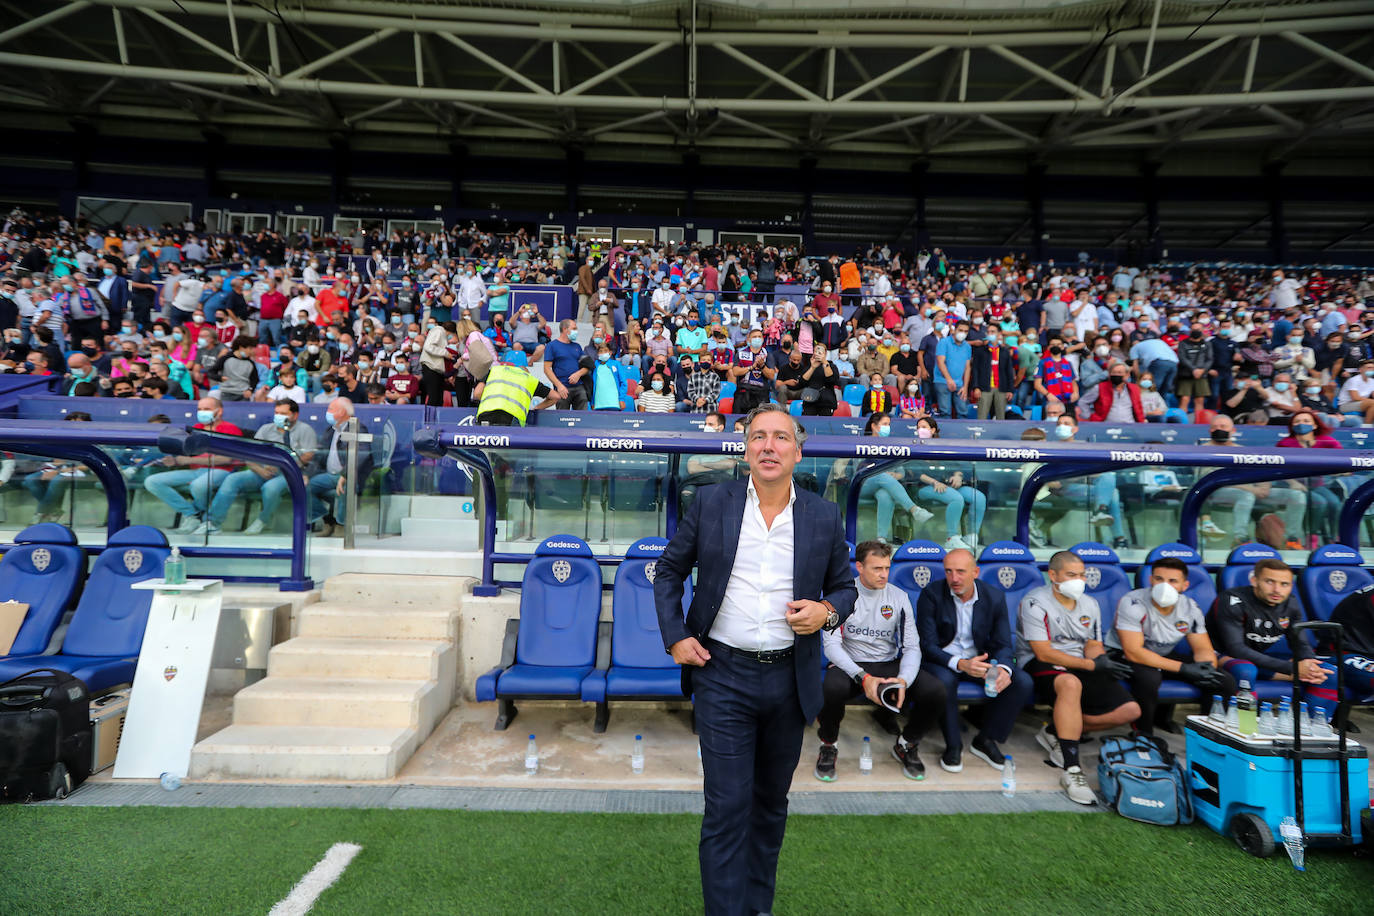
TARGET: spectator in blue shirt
(1154,356)
(953,357)
(609,388)
(563,365)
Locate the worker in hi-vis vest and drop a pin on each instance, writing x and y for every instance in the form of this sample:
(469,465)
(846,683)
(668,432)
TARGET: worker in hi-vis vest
(507,394)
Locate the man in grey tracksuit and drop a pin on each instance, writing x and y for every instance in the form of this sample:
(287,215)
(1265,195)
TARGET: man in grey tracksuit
(877,646)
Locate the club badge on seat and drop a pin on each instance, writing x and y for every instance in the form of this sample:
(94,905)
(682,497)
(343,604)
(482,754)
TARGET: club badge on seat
(1006,576)
(651,570)
(922,575)
(1093,576)
(133,560)
(41,558)
(1336,580)
(562,569)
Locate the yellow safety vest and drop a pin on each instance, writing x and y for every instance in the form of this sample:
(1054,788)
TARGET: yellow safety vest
(508,388)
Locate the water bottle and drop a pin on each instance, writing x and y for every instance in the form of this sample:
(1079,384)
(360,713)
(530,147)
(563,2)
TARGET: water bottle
(1246,703)
(1218,712)
(1233,716)
(1008,777)
(866,757)
(170,781)
(637,755)
(1292,841)
(174,570)
(990,679)
(1321,728)
(1305,720)
(1284,724)
(531,758)
(1268,725)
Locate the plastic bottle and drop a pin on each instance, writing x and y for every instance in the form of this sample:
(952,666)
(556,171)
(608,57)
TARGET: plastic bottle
(1268,725)
(866,757)
(1233,716)
(174,570)
(170,781)
(531,758)
(1283,725)
(1292,841)
(1305,720)
(1246,705)
(990,679)
(1218,710)
(1008,777)
(637,755)
(1320,727)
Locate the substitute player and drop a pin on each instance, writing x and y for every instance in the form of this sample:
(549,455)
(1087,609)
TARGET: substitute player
(1356,614)
(1061,643)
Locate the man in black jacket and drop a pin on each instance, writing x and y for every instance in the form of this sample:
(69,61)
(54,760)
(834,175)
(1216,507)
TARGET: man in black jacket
(993,377)
(965,629)
(329,470)
(1195,359)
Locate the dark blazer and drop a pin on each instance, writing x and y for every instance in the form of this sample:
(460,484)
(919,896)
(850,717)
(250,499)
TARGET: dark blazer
(937,619)
(708,537)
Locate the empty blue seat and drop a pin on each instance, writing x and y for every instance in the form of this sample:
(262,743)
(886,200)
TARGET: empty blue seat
(727,389)
(1200,588)
(44,569)
(1010,566)
(1107,581)
(915,565)
(639,667)
(551,648)
(106,633)
(854,395)
(1332,573)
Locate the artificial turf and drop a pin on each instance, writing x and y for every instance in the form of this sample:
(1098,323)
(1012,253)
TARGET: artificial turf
(77,861)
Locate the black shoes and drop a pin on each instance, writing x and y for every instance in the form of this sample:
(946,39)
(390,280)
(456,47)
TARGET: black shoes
(912,767)
(986,750)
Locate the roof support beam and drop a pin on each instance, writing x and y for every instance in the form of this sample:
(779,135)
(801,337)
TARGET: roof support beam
(617,69)
(1335,57)
(769,72)
(895,72)
(1175,66)
(1048,76)
(260,79)
(347,51)
(38,22)
(495,64)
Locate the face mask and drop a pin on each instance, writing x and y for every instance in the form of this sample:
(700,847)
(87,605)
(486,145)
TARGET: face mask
(329,418)
(127,329)
(1063,432)
(884,431)
(572,334)
(1280,386)
(364,364)
(877,386)
(205,417)
(177,335)
(1312,390)
(68,287)
(924,432)
(872,348)
(1102,350)
(977,320)
(108,271)
(1295,341)
(905,348)
(1303,429)
(159,334)
(755,343)
(279,420)
(1164,594)
(1221,435)
(603,357)
(960,336)
(1072,588)
(1147,384)
(1368,373)
(658,384)
(1118,380)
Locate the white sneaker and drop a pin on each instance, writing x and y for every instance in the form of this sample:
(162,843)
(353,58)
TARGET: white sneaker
(919,515)
(206,527)
(956,543)
(1051,745)
(1211,529)
(1075,786)
(1100,516)
(255,528)
(189,524)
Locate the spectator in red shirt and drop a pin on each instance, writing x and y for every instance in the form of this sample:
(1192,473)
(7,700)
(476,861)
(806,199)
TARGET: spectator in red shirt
(401,386)
(1055,379)
(1118,400)
(199,475)
(272,307)
(331,302)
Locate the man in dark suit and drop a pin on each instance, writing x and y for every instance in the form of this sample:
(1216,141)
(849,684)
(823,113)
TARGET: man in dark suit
(964,629)
(772,571)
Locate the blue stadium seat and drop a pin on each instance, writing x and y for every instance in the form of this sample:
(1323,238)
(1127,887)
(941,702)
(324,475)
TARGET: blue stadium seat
(727,389)
(1107,581)
(795,408)
(1332,572)
(638,669)
(1200,588)
(44,569)
(106,633)
(854,395)
(915,565)
(1011,567)
(1240,563)
(551,649)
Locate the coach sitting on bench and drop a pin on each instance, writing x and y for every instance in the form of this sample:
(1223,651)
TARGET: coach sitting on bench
(1150,625)
(867,653)
(964,629)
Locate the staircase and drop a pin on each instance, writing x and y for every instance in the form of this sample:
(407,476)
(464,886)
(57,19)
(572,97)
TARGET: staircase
(355,694)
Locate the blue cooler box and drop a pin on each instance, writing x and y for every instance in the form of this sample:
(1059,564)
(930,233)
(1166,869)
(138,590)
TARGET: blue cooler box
(1237,779)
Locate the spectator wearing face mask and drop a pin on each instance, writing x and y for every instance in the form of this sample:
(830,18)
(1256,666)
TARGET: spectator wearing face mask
(753,374)
(1118,400)
(885,488)
(657,395)
(1194,367)
(1055,377)
(953,361)
(609,385)
(876,399)
(1158,358)
(1357,393)
(993,378)
(1323,502)
(1281,400)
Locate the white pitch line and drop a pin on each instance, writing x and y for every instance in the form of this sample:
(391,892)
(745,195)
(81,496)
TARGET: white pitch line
(316,881)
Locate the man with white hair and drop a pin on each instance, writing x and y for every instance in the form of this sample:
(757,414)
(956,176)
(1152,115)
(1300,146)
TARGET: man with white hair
(330,470)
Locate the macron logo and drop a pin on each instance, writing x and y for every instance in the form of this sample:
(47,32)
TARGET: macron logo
(1014,454)
(619,445)
(884,451)
(732,448)
(1146,802)
(1242,458)
(1361,461)
(1151,457)
(482,441)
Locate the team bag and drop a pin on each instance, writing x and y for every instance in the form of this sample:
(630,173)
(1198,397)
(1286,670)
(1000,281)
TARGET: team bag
(1143,781)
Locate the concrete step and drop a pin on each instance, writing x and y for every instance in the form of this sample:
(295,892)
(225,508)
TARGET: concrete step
(344,657)
(447,507)
(295,752)
(365,622)
(336,702)
(379,590)
(460,533)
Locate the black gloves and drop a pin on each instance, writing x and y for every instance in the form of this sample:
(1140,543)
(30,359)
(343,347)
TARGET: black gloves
(1201,674)
(1106,664)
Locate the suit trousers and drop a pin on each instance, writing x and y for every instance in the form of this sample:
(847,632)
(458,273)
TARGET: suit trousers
(749,720)
(999,712)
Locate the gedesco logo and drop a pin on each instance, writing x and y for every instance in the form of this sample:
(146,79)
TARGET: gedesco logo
(921,551)
(562,545)
(480,441)
(1005,552)
(1091,552)
(618,445)
(1180,554)
(654,548)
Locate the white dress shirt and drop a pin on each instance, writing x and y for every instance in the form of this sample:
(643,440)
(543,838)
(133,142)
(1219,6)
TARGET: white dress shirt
(962,647)
(753,614)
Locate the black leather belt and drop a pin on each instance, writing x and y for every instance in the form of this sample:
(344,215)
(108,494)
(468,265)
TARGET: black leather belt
(762,656)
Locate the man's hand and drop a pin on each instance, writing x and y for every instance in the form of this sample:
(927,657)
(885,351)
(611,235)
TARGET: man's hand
(689,652)
(1310,671)
(1106,664)
(976,666)
(339,487)
(806,616)
(873,685)
(1003,679)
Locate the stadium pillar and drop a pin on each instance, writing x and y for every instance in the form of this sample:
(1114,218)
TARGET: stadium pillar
(919,170)
(807,183)
(1035,197)
(457,166)
(1278,231)
(82,147)
(340,167)
(1149,174)
(214,155)
(691,177)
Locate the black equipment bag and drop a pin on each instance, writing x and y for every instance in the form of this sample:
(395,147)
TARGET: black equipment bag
(45,735)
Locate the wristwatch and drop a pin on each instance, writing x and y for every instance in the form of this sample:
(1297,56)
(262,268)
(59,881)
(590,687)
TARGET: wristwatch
(859,678)
(832,620)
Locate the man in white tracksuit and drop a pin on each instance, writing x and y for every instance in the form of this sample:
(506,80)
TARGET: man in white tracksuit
(878,645)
